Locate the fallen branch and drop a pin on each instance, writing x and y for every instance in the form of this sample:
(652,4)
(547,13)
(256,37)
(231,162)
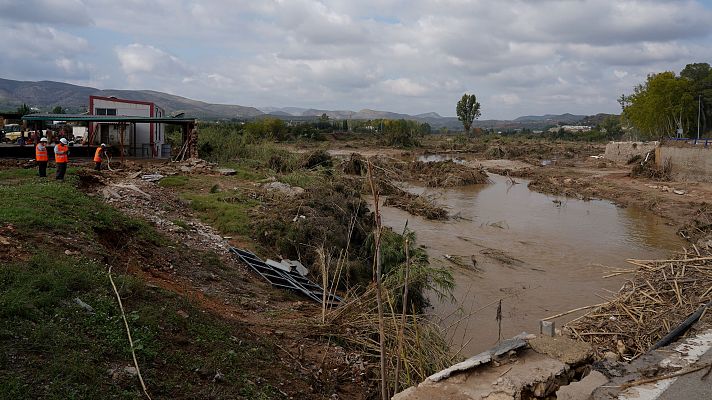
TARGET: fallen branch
(128,333)
(663,377)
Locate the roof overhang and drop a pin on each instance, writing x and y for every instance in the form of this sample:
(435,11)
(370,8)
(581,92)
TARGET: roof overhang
(108,118)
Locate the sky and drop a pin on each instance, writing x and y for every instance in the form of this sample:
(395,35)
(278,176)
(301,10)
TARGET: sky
(411,56)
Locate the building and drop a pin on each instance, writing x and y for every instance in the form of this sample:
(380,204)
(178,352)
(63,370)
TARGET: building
(138,139)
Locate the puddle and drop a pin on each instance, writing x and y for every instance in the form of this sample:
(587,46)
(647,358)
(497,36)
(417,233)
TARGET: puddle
(541,254)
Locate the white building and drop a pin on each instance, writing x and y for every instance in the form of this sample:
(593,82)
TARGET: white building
(139,139)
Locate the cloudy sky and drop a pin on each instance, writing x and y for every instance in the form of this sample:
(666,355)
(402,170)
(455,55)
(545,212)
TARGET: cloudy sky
(412,56)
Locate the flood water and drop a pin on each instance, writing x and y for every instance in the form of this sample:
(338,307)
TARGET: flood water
(540,254)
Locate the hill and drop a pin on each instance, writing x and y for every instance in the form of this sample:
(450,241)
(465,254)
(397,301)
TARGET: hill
(47,94)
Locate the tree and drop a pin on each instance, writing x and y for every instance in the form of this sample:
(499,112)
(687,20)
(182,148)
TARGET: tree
(23,110)
(58,110)
(468,109)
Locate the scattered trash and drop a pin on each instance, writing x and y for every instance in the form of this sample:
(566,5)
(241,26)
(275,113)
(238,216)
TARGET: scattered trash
(84,305)
(152,177)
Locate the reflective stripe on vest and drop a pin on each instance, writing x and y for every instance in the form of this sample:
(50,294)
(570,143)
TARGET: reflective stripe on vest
(97,155)
(61,158)
(41,153)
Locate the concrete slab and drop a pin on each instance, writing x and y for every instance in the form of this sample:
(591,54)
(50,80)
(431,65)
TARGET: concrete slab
(582,389)
(667,360)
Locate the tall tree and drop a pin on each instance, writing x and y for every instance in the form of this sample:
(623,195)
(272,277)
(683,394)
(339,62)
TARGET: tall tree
(23,110)
(58,110)
(468,109)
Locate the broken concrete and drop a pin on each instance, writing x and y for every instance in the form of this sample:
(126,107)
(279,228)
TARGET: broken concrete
(511,370)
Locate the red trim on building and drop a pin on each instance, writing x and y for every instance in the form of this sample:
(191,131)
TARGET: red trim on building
(146,103)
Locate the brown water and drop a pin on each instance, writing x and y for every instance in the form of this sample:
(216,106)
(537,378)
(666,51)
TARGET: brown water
(558,248)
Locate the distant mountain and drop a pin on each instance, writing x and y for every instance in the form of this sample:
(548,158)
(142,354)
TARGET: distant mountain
(45,95)
(563,118)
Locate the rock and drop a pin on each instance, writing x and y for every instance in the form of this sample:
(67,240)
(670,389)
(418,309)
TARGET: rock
(132,371)
(610,356)
(71,253)
(227,171)
(219,377)
(4,241)
(182,313)
(283,188)
(677,191)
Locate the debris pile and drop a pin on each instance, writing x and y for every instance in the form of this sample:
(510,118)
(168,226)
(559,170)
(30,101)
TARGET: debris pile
(416,205)
(654,301)
(445,174)
(648,168)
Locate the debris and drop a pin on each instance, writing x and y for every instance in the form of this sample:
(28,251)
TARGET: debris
(278,265)
(677,191)
(547,328)
(658,297)
(4,241)
(152,177)
(182,313)
(84,305)
(283,188)
(504,347)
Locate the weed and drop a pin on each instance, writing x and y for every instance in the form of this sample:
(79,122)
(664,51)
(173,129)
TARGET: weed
(174,181)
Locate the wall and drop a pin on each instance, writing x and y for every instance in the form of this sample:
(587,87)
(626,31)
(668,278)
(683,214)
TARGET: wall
(143,131)
(692,163)
(621,152)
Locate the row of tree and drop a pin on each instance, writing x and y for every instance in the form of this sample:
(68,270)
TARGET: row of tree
(668,104)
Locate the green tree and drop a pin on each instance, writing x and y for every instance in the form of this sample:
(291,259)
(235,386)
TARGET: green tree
(23,110)
(58,110)
(468,109)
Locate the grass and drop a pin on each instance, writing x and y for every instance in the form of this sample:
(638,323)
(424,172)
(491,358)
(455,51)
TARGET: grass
(44,335)
(33,205)
(226,211)
(174,181)
(51,348)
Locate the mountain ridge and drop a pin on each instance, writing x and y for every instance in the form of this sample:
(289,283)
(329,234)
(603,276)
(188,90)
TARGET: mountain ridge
(47,94)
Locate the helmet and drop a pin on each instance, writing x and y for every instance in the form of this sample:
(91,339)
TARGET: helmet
(44,139)
(103,145)
(63,141)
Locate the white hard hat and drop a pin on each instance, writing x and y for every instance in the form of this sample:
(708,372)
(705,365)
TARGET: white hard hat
(44,139)
(63,141)
(103,145)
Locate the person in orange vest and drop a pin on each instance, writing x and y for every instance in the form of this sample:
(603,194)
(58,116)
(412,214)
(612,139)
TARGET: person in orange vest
(97,156)
(61,157)
(41,157)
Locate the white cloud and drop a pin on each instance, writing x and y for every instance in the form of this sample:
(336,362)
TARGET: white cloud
(404,87)
(523,57)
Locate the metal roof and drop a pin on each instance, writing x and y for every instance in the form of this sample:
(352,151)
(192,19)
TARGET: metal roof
(106,118)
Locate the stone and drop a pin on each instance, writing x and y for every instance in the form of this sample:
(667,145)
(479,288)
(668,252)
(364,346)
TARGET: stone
(227,171)
(132,371)
(610,356)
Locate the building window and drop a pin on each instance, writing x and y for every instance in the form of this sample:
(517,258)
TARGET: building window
(105,111)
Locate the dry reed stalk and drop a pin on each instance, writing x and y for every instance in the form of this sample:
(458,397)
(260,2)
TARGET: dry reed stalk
(128,333)
(656,299)
(403,312)
(379,300)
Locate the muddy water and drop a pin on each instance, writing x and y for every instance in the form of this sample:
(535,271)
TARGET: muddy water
(541,254)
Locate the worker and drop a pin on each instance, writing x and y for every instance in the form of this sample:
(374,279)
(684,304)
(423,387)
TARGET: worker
(41,157)
(97,156)
(61,157)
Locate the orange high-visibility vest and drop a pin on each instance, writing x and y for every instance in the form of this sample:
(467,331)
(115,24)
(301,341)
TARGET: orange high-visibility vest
(41,152)
(61,148)
(97,155)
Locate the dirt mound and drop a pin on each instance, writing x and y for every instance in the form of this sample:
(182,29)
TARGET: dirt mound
(355,165)
(562,186)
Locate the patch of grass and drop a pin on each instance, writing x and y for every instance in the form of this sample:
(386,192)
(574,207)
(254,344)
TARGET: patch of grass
(38,205)
(52,348)
(226,211)
(301,178)
(181,223)
(174,181)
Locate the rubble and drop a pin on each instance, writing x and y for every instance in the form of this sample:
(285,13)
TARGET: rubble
(283,188)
